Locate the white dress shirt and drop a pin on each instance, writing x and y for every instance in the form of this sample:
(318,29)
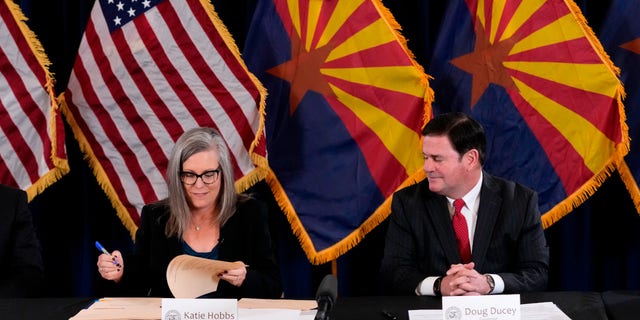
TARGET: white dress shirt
(470,213)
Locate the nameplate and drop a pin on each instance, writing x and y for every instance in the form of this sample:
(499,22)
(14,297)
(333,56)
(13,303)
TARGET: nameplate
(489,307)
(199,309)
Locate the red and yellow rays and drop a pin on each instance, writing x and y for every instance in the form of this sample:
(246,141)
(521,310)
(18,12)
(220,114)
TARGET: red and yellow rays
(348,52)
(542,54)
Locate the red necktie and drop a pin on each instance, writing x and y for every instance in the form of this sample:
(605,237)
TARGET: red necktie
(462,234)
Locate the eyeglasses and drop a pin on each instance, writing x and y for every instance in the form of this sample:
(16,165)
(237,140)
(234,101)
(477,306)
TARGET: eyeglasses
(207,177)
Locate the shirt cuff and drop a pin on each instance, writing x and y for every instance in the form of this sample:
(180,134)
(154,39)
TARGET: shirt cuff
(499,288)
(425,288)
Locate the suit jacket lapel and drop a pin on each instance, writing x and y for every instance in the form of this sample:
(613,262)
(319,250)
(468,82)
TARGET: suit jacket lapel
(488,210)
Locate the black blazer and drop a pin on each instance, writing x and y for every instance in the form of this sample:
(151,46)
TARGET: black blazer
(508,240)
(245,237)
(21,267)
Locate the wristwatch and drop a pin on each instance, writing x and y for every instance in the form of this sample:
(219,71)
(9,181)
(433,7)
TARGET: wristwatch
(491,282)
(436,286)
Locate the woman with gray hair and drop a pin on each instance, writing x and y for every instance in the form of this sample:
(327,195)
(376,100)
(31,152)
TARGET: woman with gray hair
(203,216)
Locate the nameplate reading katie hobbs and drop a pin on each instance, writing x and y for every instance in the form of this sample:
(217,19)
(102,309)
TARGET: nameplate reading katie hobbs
(200,309)
(491,307)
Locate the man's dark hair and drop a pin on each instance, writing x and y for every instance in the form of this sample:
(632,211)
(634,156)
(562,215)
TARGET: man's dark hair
(464,132)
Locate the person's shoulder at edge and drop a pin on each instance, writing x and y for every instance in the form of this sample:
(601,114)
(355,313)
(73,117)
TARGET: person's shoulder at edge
(421,187)
(9,190)
(157,211)
(26,277)
(493,180)
(248,205)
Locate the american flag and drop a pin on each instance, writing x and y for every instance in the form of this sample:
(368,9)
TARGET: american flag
(146,71)
(32,152)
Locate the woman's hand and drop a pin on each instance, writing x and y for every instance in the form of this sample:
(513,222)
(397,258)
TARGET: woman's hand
(111,267)
(235,276)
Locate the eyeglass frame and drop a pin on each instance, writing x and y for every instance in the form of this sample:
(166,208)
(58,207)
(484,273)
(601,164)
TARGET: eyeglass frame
(201,176)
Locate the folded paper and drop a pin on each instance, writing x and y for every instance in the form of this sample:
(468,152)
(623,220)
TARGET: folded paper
(192,277)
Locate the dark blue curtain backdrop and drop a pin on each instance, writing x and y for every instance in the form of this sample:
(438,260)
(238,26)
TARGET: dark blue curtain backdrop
(596,247)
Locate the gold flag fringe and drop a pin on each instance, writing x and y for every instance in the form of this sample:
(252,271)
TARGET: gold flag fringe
(631,183)
(382,212)
(241,184)
(98,171)
(231,44)
(589,188)
(296,225)
(260,172)
(61,166)
(347,243)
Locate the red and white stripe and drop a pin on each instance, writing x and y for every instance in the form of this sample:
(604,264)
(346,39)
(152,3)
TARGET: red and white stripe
(28,119)
(135,91)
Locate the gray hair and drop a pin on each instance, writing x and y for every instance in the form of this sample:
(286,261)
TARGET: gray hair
(191,142)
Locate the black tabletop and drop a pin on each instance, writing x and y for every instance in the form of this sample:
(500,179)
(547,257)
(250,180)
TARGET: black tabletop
(42,308)
(622,305)
(614,305)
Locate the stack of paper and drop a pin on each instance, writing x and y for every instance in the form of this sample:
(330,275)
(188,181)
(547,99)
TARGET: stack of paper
(151,309)
(122,308)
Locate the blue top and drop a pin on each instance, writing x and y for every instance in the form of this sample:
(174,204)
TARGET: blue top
(213,254)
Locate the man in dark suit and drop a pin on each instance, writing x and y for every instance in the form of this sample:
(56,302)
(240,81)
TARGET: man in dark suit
(500,244)
(21,267)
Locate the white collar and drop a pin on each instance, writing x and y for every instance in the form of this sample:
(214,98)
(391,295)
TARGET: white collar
(472,196)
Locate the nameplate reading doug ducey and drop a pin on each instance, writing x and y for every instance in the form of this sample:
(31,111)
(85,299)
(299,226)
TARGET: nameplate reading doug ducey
(199,309)
(490,307)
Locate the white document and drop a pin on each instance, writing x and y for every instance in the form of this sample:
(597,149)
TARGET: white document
(307,315)
(268,314)
(425,314)
(542,310)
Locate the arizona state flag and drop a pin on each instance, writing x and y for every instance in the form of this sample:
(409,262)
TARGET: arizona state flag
(534,74)
(346,102)
(620,36)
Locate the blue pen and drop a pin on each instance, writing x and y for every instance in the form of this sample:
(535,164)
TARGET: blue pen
(103,250)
